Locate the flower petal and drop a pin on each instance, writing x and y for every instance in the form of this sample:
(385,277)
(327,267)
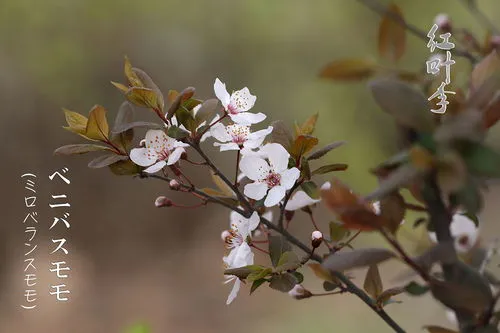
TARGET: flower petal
(155,167)
(289,177)
(234,291)
(219,132)
(277,155)
(254,167)
(157,140)
(175,155)
(221,93)
(247,118)
(274,196)
(227,146)
(300,200)
(142,156)
(255,190)
(242,100)
(253,221)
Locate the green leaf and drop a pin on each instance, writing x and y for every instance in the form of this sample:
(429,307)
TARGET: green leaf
(311,189)
(97,125)
(177,132)
(397,179)
(481,160)
(78,149)
(256,284)
(288,261)
(349,69)
(244,272)
(330,168)
(416,289)
(125,168)
(469,291)
(302,145)
(105,160)
(307,128)
(391,34)
(144,97)
(277,246)
(299,276)
(77,123)
(408,106)
(124,116)
(283,282)
(257,275)
(281,134)
(469,197)
(131,76)
(373,282)
(176,100)
(147,82)
(338,232)
(385,297)
(392,208)
(127,126)
(342,261)
(323,151)
(330,286)
(207,110)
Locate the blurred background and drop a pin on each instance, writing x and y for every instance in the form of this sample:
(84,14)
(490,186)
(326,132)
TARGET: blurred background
(131,262)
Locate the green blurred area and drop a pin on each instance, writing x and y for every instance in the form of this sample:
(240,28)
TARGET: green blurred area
(133,262)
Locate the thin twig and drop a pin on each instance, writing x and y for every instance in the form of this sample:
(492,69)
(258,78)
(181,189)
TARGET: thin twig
(382,10)
(287,197)
(481,17)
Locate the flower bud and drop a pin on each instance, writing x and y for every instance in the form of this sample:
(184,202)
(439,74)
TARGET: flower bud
(316,238)
(299,292)
(162,201)
(174,185)
(443,22)
(142,143)
(495,41)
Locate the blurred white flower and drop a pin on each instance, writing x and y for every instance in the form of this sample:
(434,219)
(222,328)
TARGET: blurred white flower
(237,104)
(376,208)
(270,175)
(159,150)
(464,232)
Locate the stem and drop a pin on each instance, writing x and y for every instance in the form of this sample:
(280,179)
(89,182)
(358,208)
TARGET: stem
(440,219)
(237,168)
(287,197)
(350,287)
(348,242)
(330,293)
(481,18)
(382,10)
(407,259)
(313,221)
(217,172)
(259,249)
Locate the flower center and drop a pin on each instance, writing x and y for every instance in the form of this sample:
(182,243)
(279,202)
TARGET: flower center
(238,133)
(232,109)
(164,154)
(463,240)
(234,239)
(273,179)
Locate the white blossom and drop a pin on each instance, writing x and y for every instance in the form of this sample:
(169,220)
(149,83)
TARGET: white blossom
(159,150)
(271,176)
(236,136)
(237,104)
(299,200)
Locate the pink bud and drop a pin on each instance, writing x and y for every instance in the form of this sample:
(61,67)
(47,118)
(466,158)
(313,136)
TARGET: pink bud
(142,143)
(162,201)
(495,41)
(317,238)
(443,22)
(174,185)
(299,292)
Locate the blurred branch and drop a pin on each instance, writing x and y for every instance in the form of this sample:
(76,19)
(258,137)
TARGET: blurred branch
(382,10)
(480,16)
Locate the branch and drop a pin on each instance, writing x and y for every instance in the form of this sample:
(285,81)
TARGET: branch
(481,17)
(382,10)
(217,172)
